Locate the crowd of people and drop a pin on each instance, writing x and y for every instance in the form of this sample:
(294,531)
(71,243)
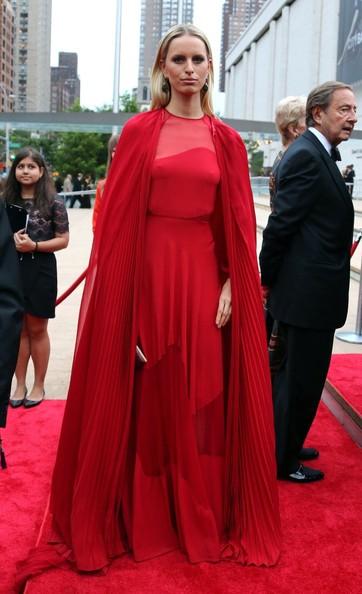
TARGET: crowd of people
(174,434)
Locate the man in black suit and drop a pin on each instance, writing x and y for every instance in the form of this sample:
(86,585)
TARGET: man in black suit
(11,311)
(305,269)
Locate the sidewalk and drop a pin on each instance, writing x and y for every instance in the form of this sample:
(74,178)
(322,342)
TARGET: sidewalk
(71,262)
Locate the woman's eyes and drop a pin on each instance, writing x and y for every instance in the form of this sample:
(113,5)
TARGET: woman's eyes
(181,59)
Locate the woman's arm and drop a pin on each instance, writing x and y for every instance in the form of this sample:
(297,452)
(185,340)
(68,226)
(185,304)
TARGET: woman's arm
(24,243)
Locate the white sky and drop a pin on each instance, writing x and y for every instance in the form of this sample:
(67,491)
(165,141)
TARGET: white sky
(88,28)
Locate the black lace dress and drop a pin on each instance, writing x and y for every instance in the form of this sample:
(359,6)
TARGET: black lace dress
(39,269)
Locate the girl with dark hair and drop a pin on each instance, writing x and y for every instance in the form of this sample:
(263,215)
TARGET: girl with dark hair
(29,185)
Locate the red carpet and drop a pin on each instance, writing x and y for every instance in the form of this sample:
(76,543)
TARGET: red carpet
(30,442)
(322,549)
(345,374)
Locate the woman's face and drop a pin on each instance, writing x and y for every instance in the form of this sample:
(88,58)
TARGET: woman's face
(299,127)
(186,65)
(295,130)
(28,172)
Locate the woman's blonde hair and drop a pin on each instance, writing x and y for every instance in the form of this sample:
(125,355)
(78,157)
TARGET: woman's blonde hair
(160,89)
(288,112)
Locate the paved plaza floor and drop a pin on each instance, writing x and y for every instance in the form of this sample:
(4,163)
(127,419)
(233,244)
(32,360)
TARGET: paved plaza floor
(72,261)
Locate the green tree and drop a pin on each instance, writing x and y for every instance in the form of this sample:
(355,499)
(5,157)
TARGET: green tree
(73,152)
(46,143)
(81,152)
(77,107)
(256,157)
(128,103)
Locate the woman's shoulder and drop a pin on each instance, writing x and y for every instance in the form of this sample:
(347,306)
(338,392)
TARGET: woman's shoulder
(229,138)
(225,130)
(57,202)
(140,119)
(56,198)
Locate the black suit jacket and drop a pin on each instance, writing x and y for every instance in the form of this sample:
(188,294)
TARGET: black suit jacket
(11,311)
(305,256)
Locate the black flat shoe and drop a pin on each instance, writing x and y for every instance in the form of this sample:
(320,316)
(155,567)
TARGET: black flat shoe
(304,474)
(308,454)
(16,402)
(31,403)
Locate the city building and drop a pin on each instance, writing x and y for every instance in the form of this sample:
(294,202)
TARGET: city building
(7,56)
(288,49)
(157,16)
(32,54)
(236,16)
(65,83)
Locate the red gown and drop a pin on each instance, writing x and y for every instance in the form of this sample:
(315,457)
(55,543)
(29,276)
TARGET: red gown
(175,480)
(143,463)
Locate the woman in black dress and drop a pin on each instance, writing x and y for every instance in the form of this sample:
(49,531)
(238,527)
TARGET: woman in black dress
(29,185)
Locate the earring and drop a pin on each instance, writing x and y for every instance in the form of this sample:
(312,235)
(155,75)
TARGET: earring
(166,85)
(205,88)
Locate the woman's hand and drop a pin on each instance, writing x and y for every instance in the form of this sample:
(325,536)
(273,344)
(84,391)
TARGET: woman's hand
(23,243)
(224,309)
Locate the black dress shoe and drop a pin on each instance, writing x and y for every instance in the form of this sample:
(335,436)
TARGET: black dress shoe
(16,402)
(31,403)
(308,454)
(304,474)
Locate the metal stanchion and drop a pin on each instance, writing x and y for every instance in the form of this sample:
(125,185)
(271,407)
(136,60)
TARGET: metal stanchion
(355,337)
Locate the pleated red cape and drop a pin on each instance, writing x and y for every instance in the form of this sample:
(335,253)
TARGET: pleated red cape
(89,472)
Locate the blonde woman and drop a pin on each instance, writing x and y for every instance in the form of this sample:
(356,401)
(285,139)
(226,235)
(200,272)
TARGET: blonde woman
(177,453)
(290,123)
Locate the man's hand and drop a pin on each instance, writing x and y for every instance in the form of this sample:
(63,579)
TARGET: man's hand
(265,291)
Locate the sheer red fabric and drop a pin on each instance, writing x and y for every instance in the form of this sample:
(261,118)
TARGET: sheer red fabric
(175,481)
(180,454)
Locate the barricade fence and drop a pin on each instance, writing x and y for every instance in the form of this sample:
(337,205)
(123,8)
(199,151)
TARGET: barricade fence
(80,193)
(260,187)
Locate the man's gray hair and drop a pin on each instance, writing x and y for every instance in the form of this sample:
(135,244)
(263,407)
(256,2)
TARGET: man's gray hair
(321,96)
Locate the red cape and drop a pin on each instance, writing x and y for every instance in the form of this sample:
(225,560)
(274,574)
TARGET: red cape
(90,467)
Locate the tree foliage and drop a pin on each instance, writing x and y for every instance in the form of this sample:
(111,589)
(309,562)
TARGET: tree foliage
(128,103)
(73,152)
(81,152)
(256,157)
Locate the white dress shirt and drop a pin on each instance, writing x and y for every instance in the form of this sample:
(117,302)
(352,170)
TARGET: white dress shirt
(322,139)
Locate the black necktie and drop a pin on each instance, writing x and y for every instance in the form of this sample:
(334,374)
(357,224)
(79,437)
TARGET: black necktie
(335,154)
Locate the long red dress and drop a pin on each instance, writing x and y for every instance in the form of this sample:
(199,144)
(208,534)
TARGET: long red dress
(181,453)
(175,481)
